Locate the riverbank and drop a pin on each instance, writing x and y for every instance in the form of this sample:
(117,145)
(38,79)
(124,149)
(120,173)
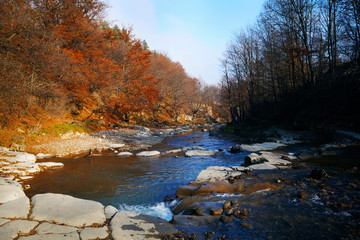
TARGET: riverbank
(234,199)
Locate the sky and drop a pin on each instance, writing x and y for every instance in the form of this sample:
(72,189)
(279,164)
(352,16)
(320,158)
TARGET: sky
(192,32)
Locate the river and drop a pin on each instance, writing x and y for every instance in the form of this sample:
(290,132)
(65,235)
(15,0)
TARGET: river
(134,183)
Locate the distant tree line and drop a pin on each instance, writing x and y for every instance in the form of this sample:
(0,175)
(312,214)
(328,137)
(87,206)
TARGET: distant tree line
(60,59)
(299,49)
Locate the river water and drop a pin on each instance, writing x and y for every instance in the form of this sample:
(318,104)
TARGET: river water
(135,183)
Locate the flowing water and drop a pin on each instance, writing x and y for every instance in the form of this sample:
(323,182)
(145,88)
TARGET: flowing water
(134,183)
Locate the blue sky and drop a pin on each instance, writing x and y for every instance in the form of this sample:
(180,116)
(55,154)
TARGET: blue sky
(192,32)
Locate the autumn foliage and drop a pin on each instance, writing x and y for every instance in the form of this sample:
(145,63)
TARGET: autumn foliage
(60,60)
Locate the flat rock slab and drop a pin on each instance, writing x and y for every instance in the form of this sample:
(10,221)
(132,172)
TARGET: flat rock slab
(192,153)
(266,146)
(49,228)
(148,153)
(9,192)
(131,225)
(18,208)
(11,229)
(120,145)
(64,209)
(48,165)
(94,233)
(124,154)
(262,166)
(55,236)
(214,173)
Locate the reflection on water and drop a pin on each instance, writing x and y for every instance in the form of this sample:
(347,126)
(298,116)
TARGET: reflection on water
(133,181)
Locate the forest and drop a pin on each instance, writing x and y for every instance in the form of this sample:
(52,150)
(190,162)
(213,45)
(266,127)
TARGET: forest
(60,61)
(299,64)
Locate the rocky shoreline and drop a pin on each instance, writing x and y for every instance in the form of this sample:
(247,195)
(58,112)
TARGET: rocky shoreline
(57,216)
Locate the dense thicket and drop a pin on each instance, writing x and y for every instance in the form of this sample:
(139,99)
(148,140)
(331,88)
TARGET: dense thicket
(299,63)
(58,58)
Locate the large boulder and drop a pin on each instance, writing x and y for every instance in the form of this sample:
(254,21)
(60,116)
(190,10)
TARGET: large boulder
(266,146)
(64,209)
(214,173)
(131,225)
(253,158)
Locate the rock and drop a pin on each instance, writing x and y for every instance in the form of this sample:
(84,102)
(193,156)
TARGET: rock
(124,154)
(110,211)
(3,221)
(42,155)
(19,157)
(50,165)
(253,158)
(116,145)
(55,236)
(226,205)
(17,147)
(148,153)
(94,233)
(225,219)
(192,153)
(193,148)
(277,158)
(235,149)
(214,173)
(64,209)
(49,228)
(260,146)
(131,225)
(173,151)
(216,211)
(304,155)
(18,208)
(11,229)
(10,192)
(262,166)
(318,174)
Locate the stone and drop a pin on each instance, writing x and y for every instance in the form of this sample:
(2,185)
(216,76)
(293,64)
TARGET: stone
(131,225)
(120,145)
(11,229)
(193,148)
(226,205)
(17,147)
(3,221)
(262,166)
(55,236)
(42,155)
(10,192)
(64,209)
(225,219)
(173,151)
(214,173)
(110,211)
(277,158)
(124,154)
(148,153)
(49,228)
(253,158)
(50,165)
(19,157)
(94,233)
(190,221)
(192,153)
(260,146)
(18,208)
(216,211)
